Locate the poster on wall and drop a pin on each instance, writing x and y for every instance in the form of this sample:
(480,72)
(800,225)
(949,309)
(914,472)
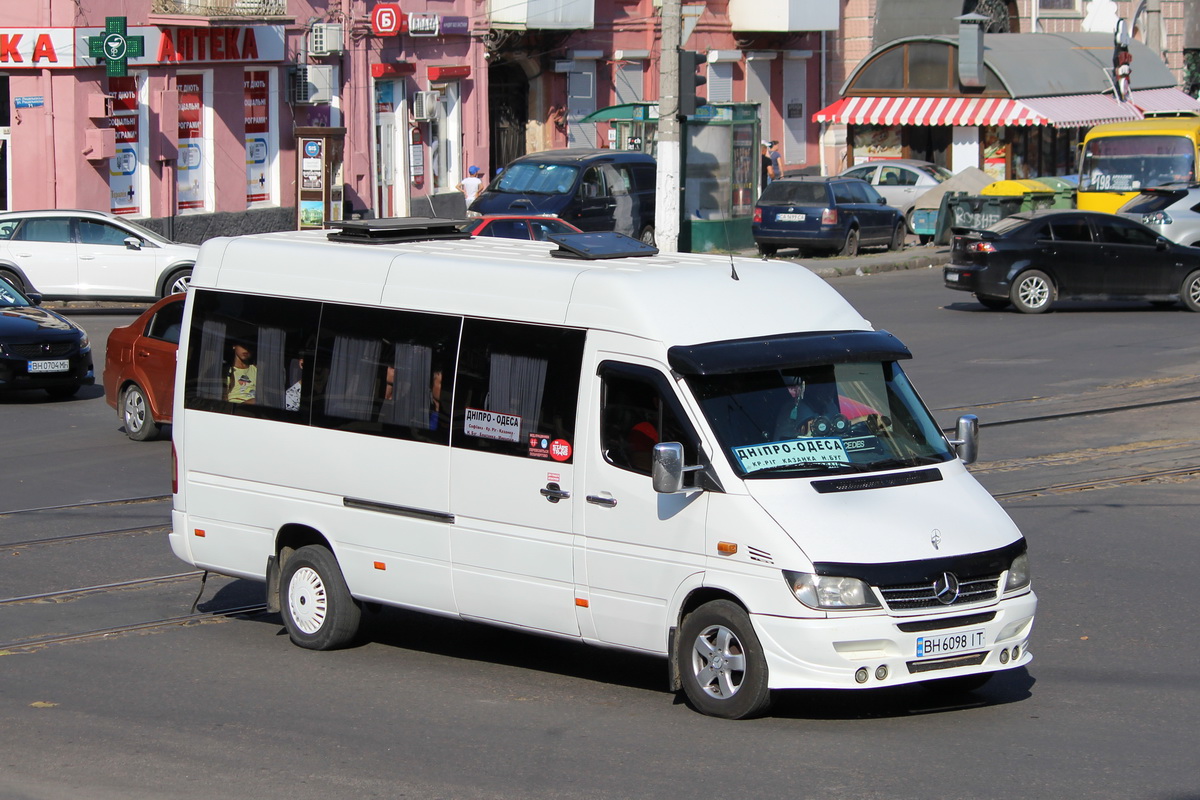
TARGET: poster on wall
(124,167)
(190,165)
(256,91)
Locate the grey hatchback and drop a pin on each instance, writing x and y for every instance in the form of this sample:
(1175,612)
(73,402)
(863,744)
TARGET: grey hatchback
(1171,210)
(828,214)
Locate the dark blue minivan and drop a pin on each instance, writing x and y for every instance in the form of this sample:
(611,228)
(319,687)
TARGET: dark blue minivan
(594,190)
(835,215)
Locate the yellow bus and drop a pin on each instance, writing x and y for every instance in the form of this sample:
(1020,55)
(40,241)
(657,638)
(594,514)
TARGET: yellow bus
(1122,158)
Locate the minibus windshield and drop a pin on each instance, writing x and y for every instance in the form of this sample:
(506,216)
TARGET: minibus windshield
(531,178)
(1129,163)
(820,420)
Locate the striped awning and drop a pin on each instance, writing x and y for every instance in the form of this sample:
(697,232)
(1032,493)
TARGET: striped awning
(1081,110)
(929,111)
(1160,101)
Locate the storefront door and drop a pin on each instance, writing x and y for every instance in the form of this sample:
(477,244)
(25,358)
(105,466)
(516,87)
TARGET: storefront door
(391,188)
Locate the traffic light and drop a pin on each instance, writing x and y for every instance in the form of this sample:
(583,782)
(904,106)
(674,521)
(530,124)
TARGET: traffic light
(689,82)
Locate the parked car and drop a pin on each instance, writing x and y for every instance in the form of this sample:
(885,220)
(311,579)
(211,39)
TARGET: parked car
(594,190)
(511,226)
(139,368)
(829,214)
(1172,211)
(1033,258)
(40,349)
(901,180)
(77,254)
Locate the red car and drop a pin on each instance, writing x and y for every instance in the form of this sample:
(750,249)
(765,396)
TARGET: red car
(139,368)
(509,226)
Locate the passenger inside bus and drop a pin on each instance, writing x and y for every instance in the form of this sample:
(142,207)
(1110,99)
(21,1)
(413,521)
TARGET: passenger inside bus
(241,376)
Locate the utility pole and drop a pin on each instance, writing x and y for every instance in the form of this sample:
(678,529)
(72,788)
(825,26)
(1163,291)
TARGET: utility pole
(666,209)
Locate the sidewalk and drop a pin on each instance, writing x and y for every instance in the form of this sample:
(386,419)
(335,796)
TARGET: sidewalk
(875,260)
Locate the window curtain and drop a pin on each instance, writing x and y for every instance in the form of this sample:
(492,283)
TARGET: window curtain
(515,386)
(351,389)
(410,403)
(272,371)
(210,376)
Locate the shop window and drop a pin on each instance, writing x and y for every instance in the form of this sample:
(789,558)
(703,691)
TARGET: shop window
(884,73)
(1059,7)
(516,384)
(928,65)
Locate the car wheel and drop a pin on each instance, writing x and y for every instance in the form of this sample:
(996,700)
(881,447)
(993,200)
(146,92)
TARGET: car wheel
(135,413)
(908,220)
(721,662)
(898,237)
(960,685)
(767,250)
(994,303)
(647,236)
(318,610)
(63,392)
(1189,293)
(13,280)
(850,248)
(177,282)
(1032,292)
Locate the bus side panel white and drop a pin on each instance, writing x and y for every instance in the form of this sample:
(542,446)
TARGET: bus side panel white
(229,548)
(397,580)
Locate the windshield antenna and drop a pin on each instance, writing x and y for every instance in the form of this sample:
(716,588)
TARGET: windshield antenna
(733,269)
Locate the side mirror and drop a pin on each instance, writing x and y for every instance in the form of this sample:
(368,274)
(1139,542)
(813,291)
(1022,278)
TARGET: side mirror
(34,298)
(883,201)
(1161,244)
(133,243)
(667,469)
(966,438)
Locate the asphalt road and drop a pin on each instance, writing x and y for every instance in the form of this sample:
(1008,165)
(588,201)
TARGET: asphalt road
(1089,438)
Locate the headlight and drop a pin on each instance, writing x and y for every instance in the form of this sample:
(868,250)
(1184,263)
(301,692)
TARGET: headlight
(1018,573)
(825,592)
(84,342)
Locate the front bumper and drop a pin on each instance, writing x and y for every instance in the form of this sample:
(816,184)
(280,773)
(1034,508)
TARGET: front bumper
(827,653)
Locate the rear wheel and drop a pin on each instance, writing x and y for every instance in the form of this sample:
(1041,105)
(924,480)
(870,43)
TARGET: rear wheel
(177,282)
(767,250)
(994,303)
(317,608)
(135,413)
(850,248)
(1189,293)
(721,662)
(898,237)
(647,236)
(1033,292)
(13,280)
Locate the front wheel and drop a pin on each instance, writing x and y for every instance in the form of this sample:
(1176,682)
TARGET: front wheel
(135,413)
(318,610)
(850,248)
(1189,293)
(723,668)
(1032,292)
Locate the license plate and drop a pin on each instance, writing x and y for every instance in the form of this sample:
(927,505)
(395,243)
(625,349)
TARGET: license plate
(948,644)
(61,365)
(789,217)
(952,276)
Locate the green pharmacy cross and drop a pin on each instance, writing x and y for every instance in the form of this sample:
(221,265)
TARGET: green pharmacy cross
(115,47)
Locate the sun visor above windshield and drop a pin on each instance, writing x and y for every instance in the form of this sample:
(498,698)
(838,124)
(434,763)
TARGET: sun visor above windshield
(785,350)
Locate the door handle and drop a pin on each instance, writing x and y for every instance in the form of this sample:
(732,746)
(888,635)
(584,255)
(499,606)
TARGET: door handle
(607,502)
(553,492)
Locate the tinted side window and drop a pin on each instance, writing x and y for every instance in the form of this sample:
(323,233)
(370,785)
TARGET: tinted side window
(638,410)
(895,176)
(863,173)
(592,185)
(244,354)
(506,229)
(644,177)
(849,192)
(517,387)
(93,232)
(53,229)
(1122,231)
(165,324)
(1072,229)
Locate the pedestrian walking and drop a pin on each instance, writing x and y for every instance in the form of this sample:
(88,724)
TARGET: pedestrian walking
(471,185)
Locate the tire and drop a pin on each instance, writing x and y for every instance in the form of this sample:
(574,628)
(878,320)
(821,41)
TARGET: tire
(135,413)
(994,303)
(13,279)
(647,236)
(721,662)
(1033,292)
(963,684)
(63,392)
(177,282)
(908,220)
(898,237)
(316,605)
(850,248)
(1189,292)
(767,250)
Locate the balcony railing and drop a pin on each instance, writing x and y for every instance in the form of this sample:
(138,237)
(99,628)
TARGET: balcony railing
(221,8)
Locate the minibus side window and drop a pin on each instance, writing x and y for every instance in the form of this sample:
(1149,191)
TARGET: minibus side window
(637,411)
(383,372)
(516,388)
(245,352)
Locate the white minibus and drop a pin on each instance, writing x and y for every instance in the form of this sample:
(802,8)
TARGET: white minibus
(715,460)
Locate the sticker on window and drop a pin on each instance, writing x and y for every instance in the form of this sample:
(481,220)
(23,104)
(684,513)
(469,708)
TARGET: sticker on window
(560,449)
(791,453)
(539,445)
(490,425)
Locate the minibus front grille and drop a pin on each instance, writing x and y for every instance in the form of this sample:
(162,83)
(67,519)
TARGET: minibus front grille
(969,660)
(945,623)
(907,597)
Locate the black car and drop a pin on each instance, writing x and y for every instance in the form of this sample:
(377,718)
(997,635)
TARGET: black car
(1034,258)
(40,349)
(834,215)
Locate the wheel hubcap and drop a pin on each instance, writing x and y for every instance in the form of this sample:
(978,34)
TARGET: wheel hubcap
(1034,293)
(308,602)
(135,411)
(181,284)
(718,662)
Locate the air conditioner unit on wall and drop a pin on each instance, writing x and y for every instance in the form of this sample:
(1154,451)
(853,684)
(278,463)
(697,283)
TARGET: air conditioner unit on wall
(311,84)
(425,105)
(325,38)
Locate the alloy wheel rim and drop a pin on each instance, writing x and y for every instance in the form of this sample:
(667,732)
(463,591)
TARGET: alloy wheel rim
(1034,293)
(718,662)
(135,411)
